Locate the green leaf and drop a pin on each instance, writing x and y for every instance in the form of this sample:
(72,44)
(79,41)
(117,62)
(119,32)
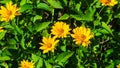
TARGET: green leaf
(22,42)
(26,7)
(17,28)
(64,17)
(77,17)
(78,5)
(24,2)
(89,14)
(44,6)
(108,52)
(35,58)
(37,17)
(105,26)
(4,58)
(55,4)
(39,63)
(41,26)
(48,65)
(4,1)
(104,31)
(5,65)
(111,65)
(64,56)
(63,48)
(2,34)
(94,65)
(12,41)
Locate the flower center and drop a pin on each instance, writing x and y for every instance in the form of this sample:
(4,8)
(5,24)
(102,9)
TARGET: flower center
(49,45)
(106,1)
(61,31)
(83,37)
(9,12)
(26,66)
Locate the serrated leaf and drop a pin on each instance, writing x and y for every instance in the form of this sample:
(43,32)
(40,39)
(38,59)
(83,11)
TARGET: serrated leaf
(44,6)
(41,26)
(64,17)
(105,26)
(89,14)
(64,56)
(55,4)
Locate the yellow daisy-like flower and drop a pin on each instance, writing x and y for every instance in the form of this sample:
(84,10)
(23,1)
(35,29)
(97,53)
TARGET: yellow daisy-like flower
(9,12)
(118,66)
(60,29)
(48,44)
(82,35)
(26,64)
(1,29)
(108,2)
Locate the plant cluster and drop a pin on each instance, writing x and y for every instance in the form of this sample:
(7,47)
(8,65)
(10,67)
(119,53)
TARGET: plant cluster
(59,34)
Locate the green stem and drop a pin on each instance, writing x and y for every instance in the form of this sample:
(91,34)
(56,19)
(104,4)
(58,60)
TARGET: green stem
(53,58)
(101,10)
(52,15)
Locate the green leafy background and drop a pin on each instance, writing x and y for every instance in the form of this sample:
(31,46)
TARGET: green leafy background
(22,35)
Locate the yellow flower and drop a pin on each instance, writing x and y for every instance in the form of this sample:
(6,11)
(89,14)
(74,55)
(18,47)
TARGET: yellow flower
(60,29)
(48,44)
(26,64)
(118,66)
(82,35)
(9,12)
(108,2)
(1,29)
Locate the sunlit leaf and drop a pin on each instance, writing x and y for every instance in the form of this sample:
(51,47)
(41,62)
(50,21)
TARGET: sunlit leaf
(48,65)
(26,7)
(2,34)
(64,17)
(4,58)
(55,4)
(44,6)
(64,56)
(105,26)
(40,26)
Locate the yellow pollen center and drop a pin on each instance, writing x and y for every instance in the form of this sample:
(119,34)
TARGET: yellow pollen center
(9,12)
(83,37)
(49,45)
(106,1)
(25,66)
(61,31)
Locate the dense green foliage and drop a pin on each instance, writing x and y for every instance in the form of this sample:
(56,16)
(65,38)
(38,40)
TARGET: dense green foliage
(22,35)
